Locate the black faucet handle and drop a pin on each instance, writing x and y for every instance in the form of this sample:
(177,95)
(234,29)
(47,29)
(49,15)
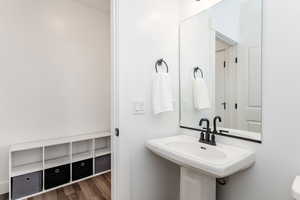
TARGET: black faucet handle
(202,137)
(213,140)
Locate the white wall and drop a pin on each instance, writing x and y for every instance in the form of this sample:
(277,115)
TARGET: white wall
(148,30)
(54,72)
(277,157)
(226,18)
(220,14)
(189,8)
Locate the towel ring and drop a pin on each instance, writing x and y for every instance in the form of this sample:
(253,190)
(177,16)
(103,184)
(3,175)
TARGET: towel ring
(159,63)
(198,69)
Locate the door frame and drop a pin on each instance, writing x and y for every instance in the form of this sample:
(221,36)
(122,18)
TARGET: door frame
(114,22)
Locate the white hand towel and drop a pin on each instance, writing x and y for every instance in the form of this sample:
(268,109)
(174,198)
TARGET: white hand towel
(162,93)
(200,93)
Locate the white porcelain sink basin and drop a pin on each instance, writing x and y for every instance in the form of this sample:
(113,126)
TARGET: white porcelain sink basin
(197,149)
(216,161)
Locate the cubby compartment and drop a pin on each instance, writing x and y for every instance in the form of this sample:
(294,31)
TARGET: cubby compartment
(26,161)
(102,163)
(27,184)
(82,150)
(102,146)
(57,155)
(82,169)
(57,176)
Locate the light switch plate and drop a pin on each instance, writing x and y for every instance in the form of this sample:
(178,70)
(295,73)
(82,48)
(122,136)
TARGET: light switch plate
(138,107)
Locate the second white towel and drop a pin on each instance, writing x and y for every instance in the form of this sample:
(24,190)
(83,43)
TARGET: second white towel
(200,93)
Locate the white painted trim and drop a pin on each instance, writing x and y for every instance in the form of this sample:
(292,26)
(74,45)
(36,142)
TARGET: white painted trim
(9,175)
(4,187)
(115,98)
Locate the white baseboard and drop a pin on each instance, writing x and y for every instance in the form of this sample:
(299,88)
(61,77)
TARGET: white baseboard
(3,187)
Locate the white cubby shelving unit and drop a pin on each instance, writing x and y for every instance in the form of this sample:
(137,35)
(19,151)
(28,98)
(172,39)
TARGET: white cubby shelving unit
(37,156)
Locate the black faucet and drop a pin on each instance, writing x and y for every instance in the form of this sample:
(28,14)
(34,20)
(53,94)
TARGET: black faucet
(207,136)
(207,131)
(216,118)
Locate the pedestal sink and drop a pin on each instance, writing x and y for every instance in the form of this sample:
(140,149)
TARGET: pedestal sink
(201,164)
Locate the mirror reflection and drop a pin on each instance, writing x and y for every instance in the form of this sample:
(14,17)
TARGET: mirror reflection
(220,68)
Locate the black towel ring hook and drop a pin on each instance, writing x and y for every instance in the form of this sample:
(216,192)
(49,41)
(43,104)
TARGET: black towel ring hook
(198,69)
(159,63)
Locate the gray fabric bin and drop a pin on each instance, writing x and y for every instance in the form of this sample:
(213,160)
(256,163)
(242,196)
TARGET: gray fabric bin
(27,184)
(102,163)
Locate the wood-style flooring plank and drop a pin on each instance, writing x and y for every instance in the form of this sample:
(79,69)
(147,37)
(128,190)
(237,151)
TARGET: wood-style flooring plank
(102,185)
(50,195)
(88,193)
(69,190)
(97,192)
(108,178)
(79,192)
(60,194)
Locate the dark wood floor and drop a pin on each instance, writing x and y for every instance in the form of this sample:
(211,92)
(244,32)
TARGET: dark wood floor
(97,188)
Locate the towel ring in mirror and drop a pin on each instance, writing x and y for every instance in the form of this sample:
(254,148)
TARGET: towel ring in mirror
(159,63)
(196,69)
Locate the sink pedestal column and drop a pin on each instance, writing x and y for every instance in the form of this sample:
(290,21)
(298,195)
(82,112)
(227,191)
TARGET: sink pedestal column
(196,186)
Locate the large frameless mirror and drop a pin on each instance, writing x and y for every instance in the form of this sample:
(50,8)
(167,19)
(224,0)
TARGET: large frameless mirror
(220,68)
